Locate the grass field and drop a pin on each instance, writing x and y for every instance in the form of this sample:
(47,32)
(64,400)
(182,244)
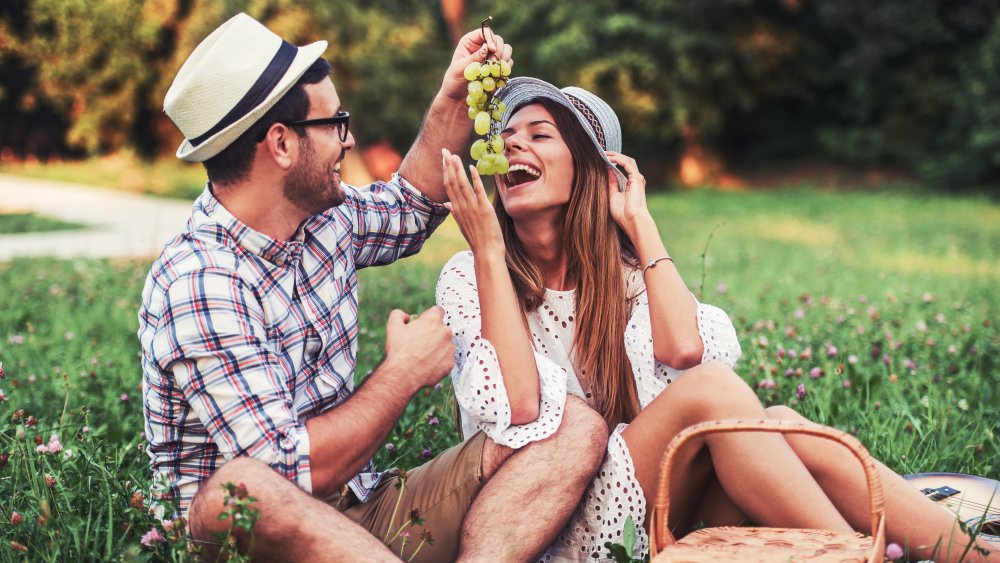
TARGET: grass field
(11,223)
(880,307)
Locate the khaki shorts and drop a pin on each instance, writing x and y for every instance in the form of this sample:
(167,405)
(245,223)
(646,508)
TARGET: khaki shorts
(441,489)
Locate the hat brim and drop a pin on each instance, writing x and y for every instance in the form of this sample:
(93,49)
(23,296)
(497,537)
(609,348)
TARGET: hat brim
(215,144)
(522,90)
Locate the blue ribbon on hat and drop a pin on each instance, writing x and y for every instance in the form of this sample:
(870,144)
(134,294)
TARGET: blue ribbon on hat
(257,93)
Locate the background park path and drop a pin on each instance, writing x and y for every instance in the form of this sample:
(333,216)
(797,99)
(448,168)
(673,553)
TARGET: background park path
(118,224)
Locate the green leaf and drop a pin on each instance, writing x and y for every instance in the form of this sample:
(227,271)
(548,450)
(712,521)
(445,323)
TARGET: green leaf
(617,552)
(628,536)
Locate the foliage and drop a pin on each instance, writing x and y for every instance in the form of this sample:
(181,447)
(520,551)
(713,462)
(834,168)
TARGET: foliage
(903,83)
(31,223)
(625,552)
(95,62)
(242,516)
(882,305)
(908,84)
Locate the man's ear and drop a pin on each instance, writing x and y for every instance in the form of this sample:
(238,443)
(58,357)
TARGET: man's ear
(281,145)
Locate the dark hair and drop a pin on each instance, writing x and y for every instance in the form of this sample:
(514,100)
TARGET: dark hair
(233,163)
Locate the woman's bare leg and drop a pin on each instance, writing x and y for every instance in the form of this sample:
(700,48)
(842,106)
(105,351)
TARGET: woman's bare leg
(759,472)
(912,520)
(716,508)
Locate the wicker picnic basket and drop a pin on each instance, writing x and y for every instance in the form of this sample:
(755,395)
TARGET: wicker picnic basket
(735,544)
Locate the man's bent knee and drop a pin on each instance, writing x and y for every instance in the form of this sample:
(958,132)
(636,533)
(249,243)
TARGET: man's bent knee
(585,431)
(210,500)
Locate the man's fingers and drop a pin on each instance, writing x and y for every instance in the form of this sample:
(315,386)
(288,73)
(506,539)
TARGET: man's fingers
(497,46)
(434,312)
(507,55)
(397,318)
(471,41)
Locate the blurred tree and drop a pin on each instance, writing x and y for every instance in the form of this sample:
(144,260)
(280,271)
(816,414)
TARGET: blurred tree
(901,81)
(699,86)
(95,62)
(388,58)
(673,69)
(29,126)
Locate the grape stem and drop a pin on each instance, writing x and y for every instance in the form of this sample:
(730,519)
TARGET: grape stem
(482,29)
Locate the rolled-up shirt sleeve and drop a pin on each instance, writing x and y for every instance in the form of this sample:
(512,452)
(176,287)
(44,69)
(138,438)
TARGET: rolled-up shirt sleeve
(214,340)
(479,386)
(390,220)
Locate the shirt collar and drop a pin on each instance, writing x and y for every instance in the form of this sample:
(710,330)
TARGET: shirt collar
(209,215)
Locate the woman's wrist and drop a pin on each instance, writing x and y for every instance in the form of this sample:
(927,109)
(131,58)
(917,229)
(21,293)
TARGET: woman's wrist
(636,227)
(490,255)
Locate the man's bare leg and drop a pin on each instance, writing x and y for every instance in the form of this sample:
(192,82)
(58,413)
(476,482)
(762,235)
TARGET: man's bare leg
(293,525)
(531,493)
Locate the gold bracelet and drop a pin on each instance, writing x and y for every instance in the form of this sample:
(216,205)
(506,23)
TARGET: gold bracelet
(652,263)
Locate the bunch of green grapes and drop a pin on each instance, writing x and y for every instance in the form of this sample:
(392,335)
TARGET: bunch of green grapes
(485,79)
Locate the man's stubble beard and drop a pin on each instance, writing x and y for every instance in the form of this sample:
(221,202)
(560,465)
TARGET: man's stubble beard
(313,187)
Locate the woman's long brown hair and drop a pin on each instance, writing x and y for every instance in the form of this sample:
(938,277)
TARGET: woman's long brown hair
(598,254)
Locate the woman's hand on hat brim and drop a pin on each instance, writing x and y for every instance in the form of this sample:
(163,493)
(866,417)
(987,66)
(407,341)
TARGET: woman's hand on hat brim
(628,206)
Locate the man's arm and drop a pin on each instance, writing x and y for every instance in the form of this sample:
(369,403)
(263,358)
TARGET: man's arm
(447,124)
(419,353)
(212,337)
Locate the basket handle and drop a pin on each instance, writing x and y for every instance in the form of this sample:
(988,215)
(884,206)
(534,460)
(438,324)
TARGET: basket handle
(661,509)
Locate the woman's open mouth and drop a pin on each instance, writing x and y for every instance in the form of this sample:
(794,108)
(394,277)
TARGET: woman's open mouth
(519,175)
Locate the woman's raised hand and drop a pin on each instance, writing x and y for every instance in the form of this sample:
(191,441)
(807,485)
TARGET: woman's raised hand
(471,207)
(628,206)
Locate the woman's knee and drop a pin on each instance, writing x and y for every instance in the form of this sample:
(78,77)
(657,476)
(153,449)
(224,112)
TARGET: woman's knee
(713,375)
(783,412)
(714,390)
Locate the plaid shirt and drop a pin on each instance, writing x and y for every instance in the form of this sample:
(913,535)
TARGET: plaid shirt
(245,337)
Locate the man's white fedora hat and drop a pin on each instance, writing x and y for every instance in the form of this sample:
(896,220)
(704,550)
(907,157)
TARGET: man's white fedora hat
(230,81)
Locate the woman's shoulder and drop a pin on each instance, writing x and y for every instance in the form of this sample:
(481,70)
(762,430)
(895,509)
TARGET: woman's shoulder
(461,258)
(459,271)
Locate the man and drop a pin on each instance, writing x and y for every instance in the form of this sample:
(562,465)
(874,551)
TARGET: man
(249,323)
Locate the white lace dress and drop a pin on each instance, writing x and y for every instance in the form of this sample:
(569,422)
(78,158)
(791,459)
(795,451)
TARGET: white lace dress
(614,493)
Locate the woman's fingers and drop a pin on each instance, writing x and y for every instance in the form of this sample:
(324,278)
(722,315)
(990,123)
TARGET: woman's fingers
(478,190)
(626,162)
(629,165)
(448,175)
(464,187)
(461,193)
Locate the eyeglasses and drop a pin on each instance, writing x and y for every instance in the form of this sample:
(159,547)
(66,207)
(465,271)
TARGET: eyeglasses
(341,121)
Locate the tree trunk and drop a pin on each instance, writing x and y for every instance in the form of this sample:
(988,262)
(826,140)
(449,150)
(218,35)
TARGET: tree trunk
(698,166)
(454,17)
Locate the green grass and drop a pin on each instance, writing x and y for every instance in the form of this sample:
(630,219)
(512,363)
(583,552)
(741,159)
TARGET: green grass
(903,286)
(15,223)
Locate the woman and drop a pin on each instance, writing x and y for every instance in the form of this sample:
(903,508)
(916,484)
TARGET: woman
(568,288)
